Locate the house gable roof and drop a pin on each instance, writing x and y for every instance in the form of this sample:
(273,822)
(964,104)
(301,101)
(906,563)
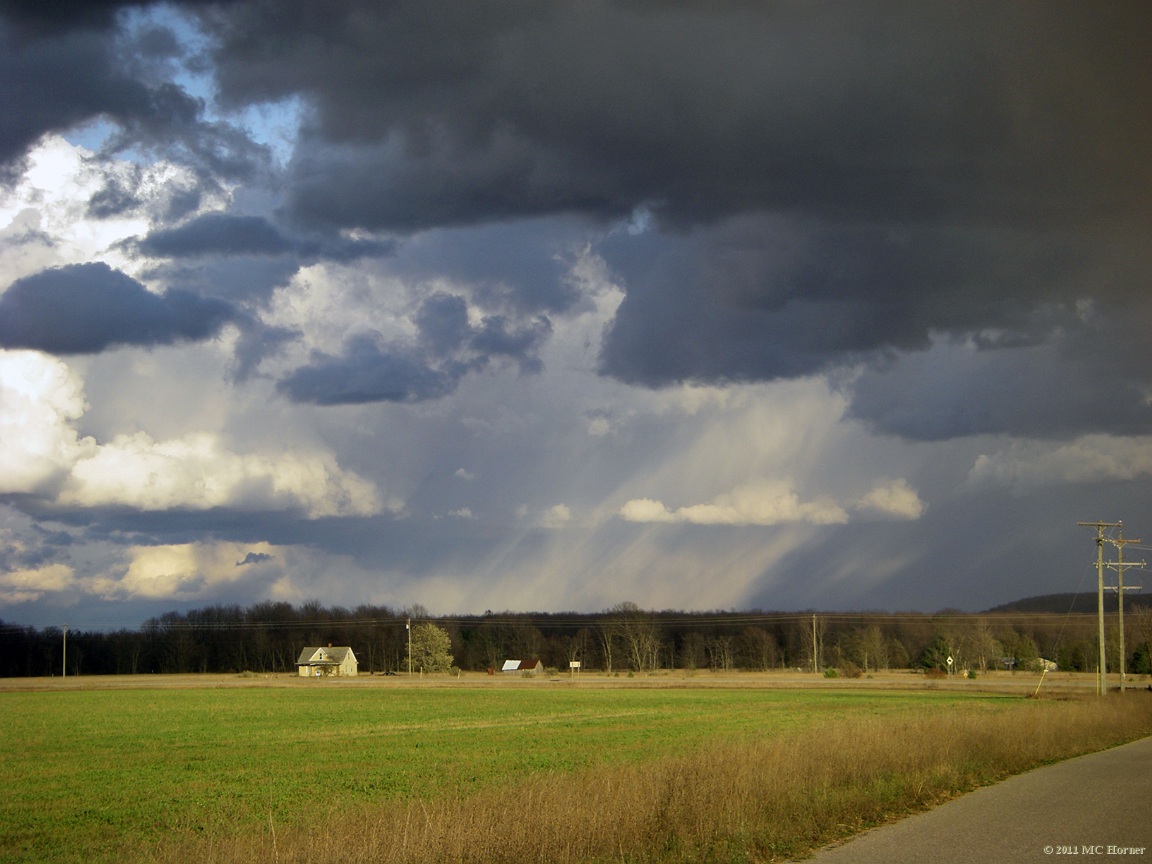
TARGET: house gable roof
(330,656)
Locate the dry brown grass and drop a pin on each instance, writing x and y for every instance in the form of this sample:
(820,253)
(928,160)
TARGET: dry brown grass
(753,801)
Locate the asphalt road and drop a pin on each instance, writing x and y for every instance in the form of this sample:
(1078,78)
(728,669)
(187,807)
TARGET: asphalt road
(1095,807)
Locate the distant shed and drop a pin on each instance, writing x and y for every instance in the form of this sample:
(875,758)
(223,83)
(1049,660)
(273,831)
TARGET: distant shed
(319,662)
(523,667)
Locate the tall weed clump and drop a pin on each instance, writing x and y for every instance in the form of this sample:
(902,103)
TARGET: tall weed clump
(754,800)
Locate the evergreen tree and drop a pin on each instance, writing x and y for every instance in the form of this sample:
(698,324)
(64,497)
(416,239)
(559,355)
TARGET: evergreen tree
(1141,662)
(936,655)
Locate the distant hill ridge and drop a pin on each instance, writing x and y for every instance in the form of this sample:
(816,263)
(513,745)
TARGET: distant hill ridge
(1084,602)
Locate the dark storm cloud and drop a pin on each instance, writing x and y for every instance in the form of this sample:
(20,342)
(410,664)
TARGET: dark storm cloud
(38,17)
(227,234)
(53,84)
(218,234)
(368,373)
(437,115)
(242,278)
(63,65)
(241,257)
(254,558)
(86,308)
(1070,384)
(116,198)
(518,266)
(768,297)
(829,183)
(169,123)
(498,337)
(448,348)
(36,548)
(442,322)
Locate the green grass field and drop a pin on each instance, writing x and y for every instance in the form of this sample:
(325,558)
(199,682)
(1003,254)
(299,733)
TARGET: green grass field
(105,775)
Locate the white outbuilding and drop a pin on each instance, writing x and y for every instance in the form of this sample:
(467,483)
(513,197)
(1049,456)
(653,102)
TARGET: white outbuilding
(523,667)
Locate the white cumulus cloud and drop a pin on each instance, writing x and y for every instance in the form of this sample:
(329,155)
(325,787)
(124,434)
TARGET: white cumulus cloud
(765,503)
(557,516)
(185,571)
(893,498)
(41,398)
(777,503)
(26,585)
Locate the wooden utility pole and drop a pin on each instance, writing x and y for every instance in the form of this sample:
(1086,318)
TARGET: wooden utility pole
(64,657)
(1102,667)
(815,668)
(1120,589)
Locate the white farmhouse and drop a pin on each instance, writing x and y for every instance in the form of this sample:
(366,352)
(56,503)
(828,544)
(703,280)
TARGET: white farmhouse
(318,662)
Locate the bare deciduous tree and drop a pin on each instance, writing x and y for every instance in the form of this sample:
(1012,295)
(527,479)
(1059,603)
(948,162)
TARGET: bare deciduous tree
(640,635)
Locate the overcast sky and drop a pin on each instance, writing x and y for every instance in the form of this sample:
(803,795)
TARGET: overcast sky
(549,306)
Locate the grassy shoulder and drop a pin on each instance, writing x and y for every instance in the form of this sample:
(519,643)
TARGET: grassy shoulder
(410,773)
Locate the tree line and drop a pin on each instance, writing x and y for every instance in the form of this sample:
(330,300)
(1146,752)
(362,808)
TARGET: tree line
(268,637)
